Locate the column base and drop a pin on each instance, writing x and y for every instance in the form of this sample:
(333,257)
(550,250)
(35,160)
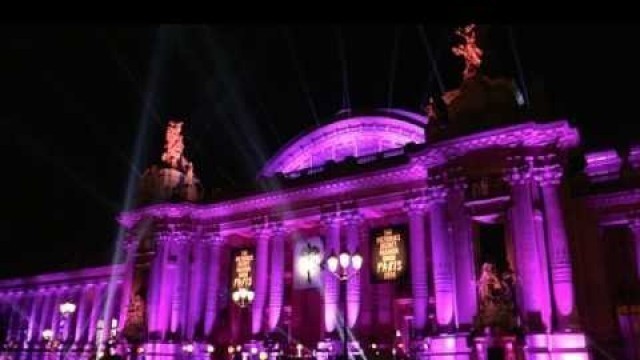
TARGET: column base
(556,346)
(443,347)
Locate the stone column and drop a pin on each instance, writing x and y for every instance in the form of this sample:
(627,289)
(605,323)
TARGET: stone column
(179,287)
(98,295)
(352,222)
(415,208)
(276,288)
(81,314)
(212,242)
(33,333)
(196,272)
(163,280)
(45,311)
(559,256)
(634,225)
(155,294)
(331,223)
(263,233)
(462,239)
(55,317)
(532,295)
(130,247)
(442,254)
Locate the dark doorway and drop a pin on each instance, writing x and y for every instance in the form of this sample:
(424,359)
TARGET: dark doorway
(491,246)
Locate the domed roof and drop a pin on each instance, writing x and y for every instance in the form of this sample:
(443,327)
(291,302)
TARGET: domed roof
(349,134)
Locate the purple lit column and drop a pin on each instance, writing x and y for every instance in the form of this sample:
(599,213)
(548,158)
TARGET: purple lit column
(276,290)
(416,208)
(36,305)
(213,243)
(263,233)
(81,317)
(634,225)
(559,258)
(44,313)
(179,286)
(196,297)
(130,246)
(352,224)
(55,317)
(98,293)
(466,303)
(156,282)
(331,286)
(163,282)
(442,255)
(533,296)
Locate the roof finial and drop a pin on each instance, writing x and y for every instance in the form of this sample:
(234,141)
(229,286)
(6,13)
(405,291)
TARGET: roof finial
(469,50)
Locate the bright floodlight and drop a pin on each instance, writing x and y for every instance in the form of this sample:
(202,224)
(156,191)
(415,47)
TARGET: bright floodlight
(332,263)
(344,260)
(356,261)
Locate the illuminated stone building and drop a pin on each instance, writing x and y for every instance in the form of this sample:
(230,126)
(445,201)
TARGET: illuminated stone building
(477,236)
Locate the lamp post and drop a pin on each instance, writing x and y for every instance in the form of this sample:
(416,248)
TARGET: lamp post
(67,308)
(349,266)
(243,297)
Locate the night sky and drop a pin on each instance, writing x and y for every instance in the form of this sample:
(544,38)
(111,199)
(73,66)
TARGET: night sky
(76,98)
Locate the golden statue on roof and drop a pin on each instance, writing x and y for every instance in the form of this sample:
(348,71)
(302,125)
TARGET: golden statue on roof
(174,145)
(469,50)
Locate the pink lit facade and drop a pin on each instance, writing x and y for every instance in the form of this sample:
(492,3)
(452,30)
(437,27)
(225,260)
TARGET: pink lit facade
(503,196)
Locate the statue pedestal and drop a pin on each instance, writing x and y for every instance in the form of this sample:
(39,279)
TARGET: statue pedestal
(162,351)
(443,347)
(495,346)
(556,346)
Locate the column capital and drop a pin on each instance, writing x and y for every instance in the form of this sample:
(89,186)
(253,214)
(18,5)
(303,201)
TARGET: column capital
(437,193)
(521,171)
(416,205)
(331,218)
(352,217)
(634,221)
(210,234)
(548,175)
(263,227)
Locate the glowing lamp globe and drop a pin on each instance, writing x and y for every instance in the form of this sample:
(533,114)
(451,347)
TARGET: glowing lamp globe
(254,350)
(231,349)
(67,308)
(356,261)
(47,334)
(235,296)
(332,263)
(210,348)
(250,295)
(263,355)
(344,260)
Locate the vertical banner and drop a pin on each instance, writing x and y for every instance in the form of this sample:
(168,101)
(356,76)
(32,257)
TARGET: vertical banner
(388,253)
(307,259)
(242,269)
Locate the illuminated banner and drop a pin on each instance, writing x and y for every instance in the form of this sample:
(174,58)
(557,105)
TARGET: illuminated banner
(242,276)
(388,253)
(307,257)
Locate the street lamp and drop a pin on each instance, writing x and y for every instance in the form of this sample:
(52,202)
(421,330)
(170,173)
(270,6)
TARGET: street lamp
(67,308)
(350,265)
(243,296)
(309,262)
